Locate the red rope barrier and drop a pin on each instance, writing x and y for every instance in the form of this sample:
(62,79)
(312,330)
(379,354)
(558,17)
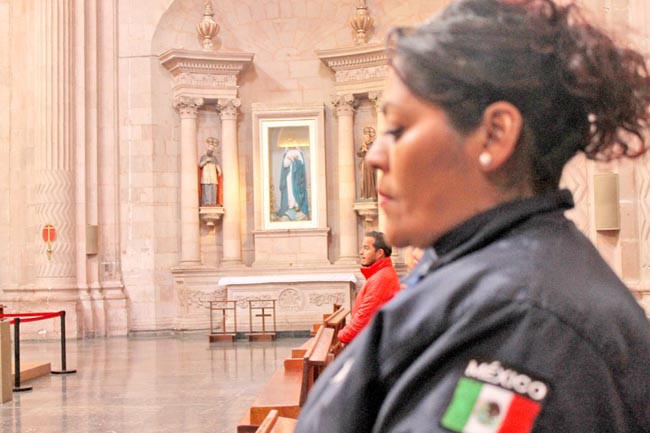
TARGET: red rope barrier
(58,313)
(33,317)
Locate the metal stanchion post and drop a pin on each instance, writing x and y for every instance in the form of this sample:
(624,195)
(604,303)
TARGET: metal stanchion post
(17,387)
(63,363)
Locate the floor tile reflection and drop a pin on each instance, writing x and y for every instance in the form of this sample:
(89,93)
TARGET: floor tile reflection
(176,384)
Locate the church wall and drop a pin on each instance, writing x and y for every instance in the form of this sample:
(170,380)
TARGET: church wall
(16,163)
(5,122)
(638,13)
(135,112)
(286,70)
(146,191)
(626,250)
(148,171)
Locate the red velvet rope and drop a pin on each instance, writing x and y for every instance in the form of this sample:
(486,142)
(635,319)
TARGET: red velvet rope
(58,313)
(32,317)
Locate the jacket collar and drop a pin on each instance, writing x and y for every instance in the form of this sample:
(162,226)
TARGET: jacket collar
(375,267)
(487,226)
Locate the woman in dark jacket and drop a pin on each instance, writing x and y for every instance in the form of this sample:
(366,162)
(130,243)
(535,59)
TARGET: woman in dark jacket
(518,325)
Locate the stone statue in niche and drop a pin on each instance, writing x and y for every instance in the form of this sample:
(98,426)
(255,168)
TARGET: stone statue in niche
(210,175)
(367,173)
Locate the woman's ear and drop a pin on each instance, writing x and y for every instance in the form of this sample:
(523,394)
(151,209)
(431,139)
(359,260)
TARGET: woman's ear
(502,123)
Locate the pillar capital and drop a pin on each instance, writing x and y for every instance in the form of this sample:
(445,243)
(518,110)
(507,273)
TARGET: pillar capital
(377,97)
(187,106)
(344,104)
(228,108)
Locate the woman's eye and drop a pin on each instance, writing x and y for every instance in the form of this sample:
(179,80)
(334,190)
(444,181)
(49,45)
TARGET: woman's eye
(396,133)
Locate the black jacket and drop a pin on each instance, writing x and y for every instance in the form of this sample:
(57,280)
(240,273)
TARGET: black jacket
(519,292)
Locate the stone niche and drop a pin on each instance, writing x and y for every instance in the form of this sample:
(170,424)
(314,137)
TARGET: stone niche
(301,300)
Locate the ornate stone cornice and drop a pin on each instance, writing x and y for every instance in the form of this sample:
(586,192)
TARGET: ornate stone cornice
(356,57)
(212,75)
(357,69)
(200,62)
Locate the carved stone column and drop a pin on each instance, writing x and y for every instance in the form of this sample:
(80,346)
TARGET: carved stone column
(54,149)
(230,165)
(378,99)
(111,310)
(345,106)
(190,230)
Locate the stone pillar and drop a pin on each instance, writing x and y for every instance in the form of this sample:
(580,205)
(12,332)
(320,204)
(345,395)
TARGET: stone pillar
(54,150)
(345,106)
(378,99)
(96,319)
(190,230)
(230,166)
(114,313)
(84,176)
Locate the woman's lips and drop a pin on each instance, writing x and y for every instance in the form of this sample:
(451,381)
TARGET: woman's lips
(384,199)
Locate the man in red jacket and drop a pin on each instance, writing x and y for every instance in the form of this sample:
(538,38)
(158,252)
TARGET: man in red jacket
(382,283)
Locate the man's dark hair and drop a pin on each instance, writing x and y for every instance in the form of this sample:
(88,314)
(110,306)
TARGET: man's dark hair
(380,243)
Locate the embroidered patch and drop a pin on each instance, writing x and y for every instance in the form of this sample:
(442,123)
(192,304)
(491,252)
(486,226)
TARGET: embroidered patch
(494,399)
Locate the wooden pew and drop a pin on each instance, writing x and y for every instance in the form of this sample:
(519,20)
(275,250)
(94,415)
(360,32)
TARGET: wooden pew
(287,390)
(315,360)
(335,320)
(274,423)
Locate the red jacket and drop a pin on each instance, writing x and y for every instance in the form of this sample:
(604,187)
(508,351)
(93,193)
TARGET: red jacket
(382,283)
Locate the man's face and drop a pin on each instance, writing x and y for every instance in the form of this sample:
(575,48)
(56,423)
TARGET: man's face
(368,253)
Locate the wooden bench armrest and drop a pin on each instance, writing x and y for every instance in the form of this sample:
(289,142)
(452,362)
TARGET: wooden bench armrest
(318,355)
(269,422)
(274,423)
(336,319)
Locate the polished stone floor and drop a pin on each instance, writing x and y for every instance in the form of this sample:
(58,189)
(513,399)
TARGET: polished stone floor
(176,383)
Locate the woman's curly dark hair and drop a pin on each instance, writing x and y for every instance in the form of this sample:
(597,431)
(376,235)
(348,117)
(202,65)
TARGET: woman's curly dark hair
(577,89)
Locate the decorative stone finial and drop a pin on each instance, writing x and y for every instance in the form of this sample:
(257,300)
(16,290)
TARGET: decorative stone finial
(362,22)
(208,28)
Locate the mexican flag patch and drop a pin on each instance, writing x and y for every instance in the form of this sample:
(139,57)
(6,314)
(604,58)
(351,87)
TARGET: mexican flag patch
(493,399)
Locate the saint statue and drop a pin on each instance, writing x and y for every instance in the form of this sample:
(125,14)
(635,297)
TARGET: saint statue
(209,174)
(367,176)
(294,203)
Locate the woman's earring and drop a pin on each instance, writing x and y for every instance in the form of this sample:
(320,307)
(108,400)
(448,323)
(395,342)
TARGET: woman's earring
(485,159)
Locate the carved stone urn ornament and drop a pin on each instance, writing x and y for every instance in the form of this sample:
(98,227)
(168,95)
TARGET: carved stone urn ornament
(362,22)
(208,27)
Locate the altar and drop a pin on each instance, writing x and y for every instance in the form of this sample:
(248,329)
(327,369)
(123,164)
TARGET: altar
(301,299)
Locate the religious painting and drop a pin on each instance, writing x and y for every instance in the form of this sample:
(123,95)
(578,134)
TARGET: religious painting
(288,162)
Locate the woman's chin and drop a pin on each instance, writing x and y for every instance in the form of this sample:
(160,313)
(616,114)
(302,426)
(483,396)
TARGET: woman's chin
(394,236)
